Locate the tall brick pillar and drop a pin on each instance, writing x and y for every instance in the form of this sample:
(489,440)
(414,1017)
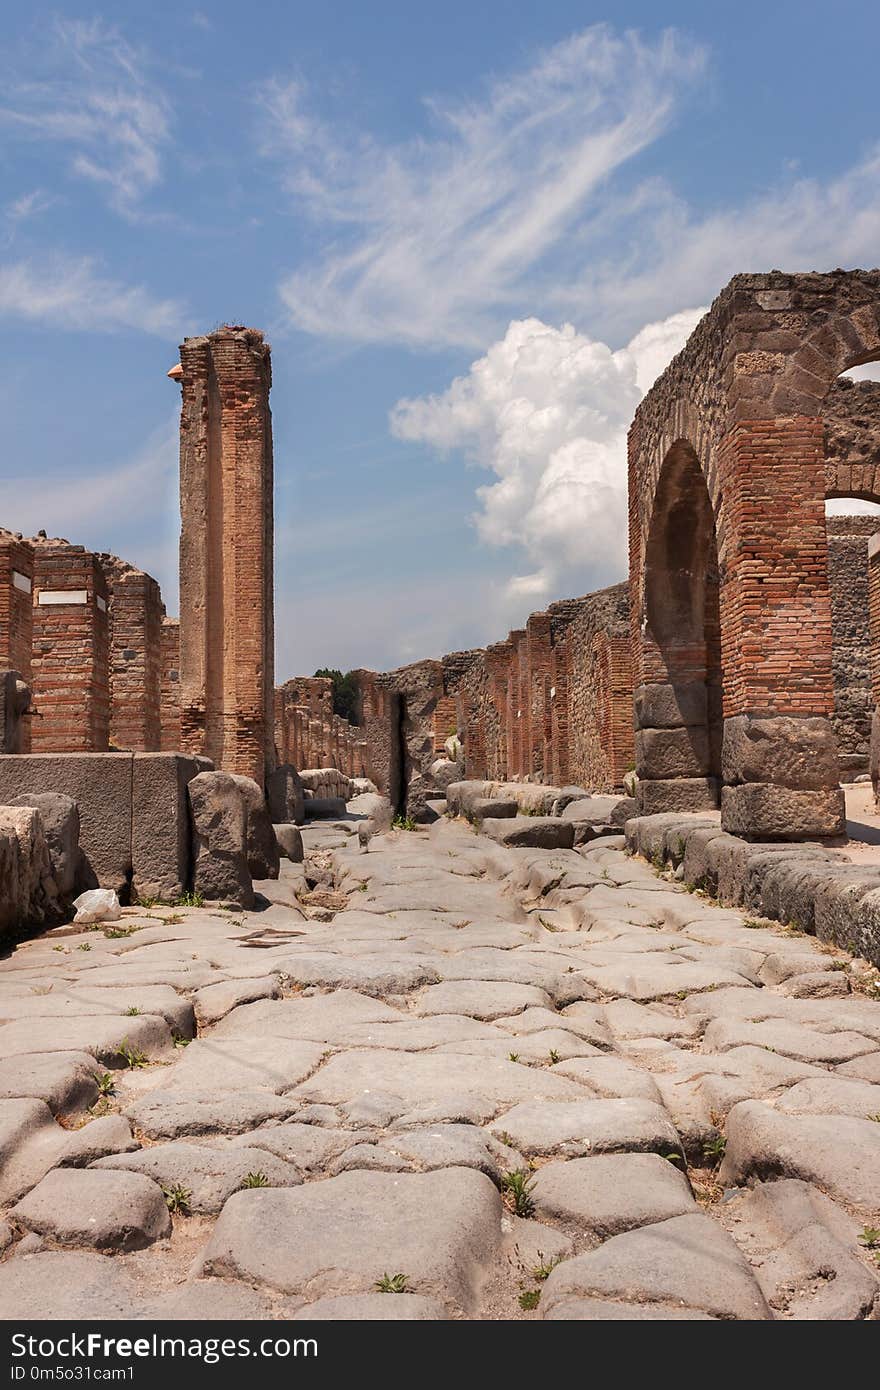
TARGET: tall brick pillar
(169,696)
(538,660)
(498,672)
(779,762)
(226,550)
(70,663)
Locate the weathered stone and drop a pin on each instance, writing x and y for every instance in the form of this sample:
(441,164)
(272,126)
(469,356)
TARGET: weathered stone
(236,1064)
(221,871)
(656,797)
(262,846)
(284,793)
(607,1195)
(206,1300)
(342,1235)
(761,810)
(481,999)
(839,1154)
(584,1127)
(832,1095)
(28,893)
(111,1211)
(214,1002)
(800,754)
(664,753)
(108,1134)
(60,817)
(83,1287)
(535,832)
(207,1175)
(372,1307)
(290,842)
(669,706)
(173,1114)
(161,834)
(64,1080)
(687,1262)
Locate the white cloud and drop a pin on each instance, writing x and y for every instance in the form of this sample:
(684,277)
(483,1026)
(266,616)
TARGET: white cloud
(89,89)
(69,292)
(440,239)
(546,410)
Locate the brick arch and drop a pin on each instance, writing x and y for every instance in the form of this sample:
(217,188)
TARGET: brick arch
(748,392)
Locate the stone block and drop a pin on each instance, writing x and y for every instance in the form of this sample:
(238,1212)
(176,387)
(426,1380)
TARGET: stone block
(761,810)
(262,846)
(161,833)
(532,832)
(664,753)
(874,757)
(491,808)
(284,792)
(101,785)
(657,796)
(800,754)
(669,706)
(60,817)
(28,895)
(290,842)
(220,840)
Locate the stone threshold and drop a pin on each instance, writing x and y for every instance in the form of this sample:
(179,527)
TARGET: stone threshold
(806,885)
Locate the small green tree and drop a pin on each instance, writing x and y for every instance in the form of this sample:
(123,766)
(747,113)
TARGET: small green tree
(344,692)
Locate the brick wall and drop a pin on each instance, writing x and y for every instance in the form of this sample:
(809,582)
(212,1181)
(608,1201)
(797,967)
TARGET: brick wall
(16,604)
(592,717)
(851,638)
(70,665)
(136,658)
(169,698)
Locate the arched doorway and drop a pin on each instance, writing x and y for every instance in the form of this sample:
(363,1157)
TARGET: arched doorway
(678,704)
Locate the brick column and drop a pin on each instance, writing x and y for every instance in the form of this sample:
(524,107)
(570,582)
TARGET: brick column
(226,550)
(537,662)
(780,765)
(135,611)
(514,706)
(497,672)
(70,679)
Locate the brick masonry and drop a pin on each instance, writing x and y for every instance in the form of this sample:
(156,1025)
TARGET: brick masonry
(70,664)
(226,551)
(135,619)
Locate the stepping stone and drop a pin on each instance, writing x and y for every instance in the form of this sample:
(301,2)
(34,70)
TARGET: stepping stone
(320,1018)
(687,1264)
(111,1211)
(839,1154)
(309,1147)
(530,832)
(208,1175)
(66,1286)
(108,1134)
(214,1002)
(612,1078)
(231,1064)
(171,1114)
(373,1307)
(608,1195)
(584,1127)
(803,1251)
(442,1146)
(64,1080)
(480,999)
(100,1035)
(442,1230)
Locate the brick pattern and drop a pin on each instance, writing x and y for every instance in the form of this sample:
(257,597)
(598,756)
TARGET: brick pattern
(309,735)
(70,665)
(169,699)
(16,604)
(226,551)
(135,615)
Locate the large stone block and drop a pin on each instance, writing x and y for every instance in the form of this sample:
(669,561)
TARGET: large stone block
(666,706)
(654,797)
(664,753)
(875,753)
(28,895)
(761,810)
(15,703)
(797,753)
(220,840)
(161,834)
(262,846)
(284,792)
(60,817)
(101,785)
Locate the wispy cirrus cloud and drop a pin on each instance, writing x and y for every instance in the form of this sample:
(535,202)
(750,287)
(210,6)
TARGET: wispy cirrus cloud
(91,91)
(70,292)
(438,239)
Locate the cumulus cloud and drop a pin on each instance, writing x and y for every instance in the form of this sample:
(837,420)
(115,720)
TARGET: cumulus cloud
(88,89)
(70,292)
(546,411)
(440,239)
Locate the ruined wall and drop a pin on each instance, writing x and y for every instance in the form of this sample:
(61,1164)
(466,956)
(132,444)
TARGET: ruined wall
(135,621)
(226,550)
(377,719)
(169,695)
(70,664)
(309,735)
(851,639)
(851,420)
(593,684)
(16,603)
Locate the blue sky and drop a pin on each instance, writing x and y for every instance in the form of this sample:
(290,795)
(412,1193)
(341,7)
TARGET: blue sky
(473,233)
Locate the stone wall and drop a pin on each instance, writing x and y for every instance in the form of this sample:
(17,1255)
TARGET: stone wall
(591,640)
(16,603)
(169,697)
